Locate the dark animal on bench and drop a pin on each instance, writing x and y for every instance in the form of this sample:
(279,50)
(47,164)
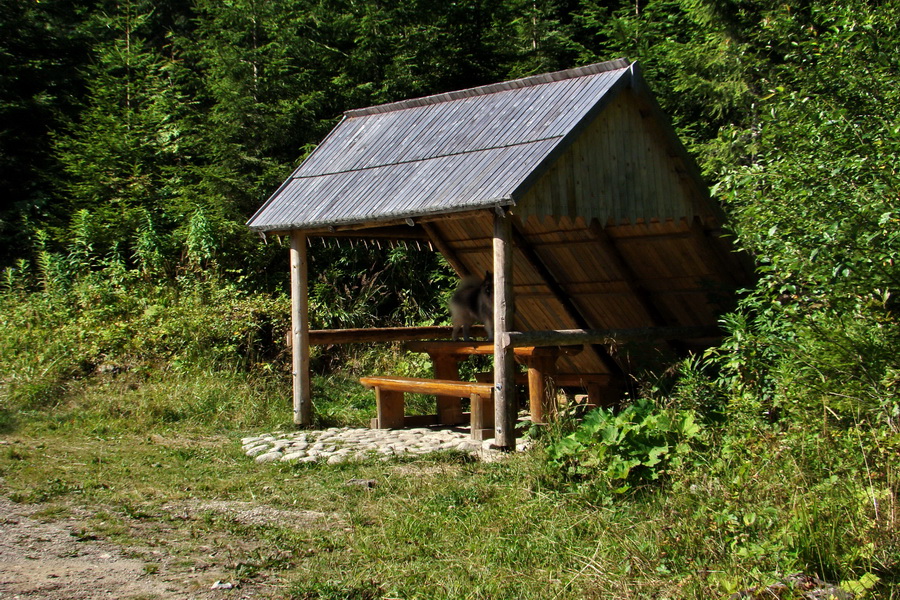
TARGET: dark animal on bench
(473,301)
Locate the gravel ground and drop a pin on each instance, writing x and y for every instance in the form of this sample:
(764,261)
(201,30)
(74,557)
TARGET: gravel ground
(49,558)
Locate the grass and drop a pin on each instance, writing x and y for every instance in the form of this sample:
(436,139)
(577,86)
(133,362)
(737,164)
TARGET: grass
(439,527)
(154,465)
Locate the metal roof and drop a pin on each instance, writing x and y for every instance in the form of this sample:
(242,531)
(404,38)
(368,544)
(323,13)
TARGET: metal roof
(451,152)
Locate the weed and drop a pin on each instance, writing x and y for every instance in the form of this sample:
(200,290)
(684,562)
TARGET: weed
(336,590)
(629,448)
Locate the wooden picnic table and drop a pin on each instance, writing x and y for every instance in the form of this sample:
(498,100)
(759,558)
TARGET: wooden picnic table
(539,360)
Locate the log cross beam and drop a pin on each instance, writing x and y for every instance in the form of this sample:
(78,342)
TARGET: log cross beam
(556,290)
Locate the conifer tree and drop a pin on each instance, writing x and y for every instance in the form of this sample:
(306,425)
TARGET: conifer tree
(264,92)
(41,50)
(133,147)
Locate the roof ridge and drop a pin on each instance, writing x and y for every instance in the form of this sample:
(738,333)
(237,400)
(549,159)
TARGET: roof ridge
(593,69)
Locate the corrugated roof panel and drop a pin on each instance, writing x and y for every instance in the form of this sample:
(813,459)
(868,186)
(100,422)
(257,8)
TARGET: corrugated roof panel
(443,153)
(501,119)
(442,184)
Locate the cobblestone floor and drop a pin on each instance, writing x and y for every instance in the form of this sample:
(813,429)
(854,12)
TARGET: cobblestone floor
(339,444)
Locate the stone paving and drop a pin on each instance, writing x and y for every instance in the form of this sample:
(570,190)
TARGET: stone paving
(341,444)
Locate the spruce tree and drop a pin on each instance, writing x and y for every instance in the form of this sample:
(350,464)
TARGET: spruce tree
(41,50)
(133,147)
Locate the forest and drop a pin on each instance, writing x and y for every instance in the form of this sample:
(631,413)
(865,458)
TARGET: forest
(138,136)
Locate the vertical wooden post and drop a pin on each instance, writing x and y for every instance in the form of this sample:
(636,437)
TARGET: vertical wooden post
(541,388)
(504,360)
(449,408)
(300,329)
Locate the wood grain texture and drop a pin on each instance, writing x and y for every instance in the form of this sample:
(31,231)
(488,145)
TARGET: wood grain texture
(302,396)
(419,385)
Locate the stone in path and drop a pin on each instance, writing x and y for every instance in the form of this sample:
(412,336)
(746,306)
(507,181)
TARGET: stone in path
(341,444)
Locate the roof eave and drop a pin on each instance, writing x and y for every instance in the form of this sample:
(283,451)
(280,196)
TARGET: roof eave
(384,218)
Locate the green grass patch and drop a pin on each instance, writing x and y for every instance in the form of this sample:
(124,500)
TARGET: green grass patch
(678,497)
(441,526)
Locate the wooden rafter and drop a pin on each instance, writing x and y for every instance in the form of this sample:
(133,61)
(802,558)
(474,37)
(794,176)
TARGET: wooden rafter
(643,298)
(571,311)
(438,241)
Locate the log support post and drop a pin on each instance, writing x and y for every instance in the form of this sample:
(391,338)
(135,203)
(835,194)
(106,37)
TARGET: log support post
(300,329)
(542,390)
(449,408)
(504,360)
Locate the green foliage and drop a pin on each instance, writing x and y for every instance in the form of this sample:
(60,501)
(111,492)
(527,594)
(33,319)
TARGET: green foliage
(815,201)
(138,137)
(39,82)
(367,285)
(95,315)
(619,451)
(129,150)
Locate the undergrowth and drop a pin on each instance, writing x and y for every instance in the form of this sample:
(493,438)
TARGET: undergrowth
(734,470)
(731,483)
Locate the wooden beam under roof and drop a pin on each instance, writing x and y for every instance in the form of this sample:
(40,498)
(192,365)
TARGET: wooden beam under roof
(643,298)
(559,294)
(434,235)
(397,230)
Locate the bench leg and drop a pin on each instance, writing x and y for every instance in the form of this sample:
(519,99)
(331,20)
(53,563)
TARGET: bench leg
(482,417)
(389,409)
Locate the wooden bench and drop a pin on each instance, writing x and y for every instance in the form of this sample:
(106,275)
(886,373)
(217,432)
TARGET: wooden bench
(540,360)
(390,402)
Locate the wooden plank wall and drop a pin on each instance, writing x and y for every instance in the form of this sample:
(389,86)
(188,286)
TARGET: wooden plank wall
(620,170)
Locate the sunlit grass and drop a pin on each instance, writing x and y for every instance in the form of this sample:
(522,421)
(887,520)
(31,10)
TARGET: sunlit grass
(146,459)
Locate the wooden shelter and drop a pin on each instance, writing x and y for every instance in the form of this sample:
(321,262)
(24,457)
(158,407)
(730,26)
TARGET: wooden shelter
(571,187)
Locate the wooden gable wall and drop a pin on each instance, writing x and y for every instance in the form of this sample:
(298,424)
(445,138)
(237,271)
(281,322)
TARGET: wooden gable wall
(623,168)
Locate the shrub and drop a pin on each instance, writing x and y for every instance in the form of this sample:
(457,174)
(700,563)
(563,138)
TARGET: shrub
(618,451)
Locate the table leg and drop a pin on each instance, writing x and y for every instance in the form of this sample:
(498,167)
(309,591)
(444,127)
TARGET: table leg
(449,408)
(541,391)
(482,417)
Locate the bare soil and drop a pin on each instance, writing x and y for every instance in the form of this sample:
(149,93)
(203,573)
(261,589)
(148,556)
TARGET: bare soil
(50,557)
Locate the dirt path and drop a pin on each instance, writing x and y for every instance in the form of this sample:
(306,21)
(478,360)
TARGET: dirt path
(52,561)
